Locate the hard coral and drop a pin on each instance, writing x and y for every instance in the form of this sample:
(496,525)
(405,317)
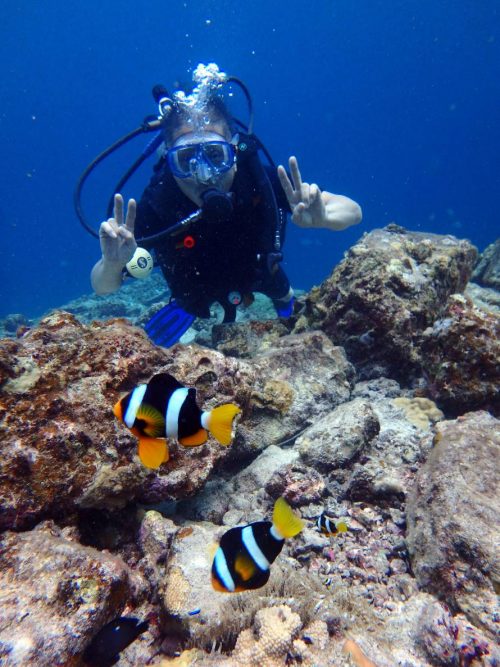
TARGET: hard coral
(55,595)
(420,411)
(460,355)
(388,289)
(62,448)
(452,513)
(267,645)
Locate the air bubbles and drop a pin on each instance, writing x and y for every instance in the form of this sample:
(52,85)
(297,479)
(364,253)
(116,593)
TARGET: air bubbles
(208,22)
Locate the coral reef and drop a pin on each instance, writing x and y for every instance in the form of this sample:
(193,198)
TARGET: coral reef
(461,358)
(487,270)
(348,430)
(62,448)
(414,579)
(485,298)
(388,289)
(247,341)
(453,514)
(55,593)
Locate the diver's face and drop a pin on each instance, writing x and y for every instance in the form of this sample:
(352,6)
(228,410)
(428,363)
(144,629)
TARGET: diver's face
(193,186)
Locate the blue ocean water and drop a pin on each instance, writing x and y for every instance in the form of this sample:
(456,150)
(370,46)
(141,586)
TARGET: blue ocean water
(394,103)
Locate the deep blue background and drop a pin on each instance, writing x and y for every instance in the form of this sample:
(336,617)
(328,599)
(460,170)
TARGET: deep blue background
(393,102)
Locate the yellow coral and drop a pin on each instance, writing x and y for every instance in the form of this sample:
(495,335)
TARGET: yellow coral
(421,412)
(176,591)
(272,636)
(277,395)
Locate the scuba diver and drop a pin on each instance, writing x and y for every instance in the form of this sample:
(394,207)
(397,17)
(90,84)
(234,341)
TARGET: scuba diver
(213,214)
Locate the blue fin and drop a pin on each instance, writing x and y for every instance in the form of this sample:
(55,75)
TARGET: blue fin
(284,308)
(168,324)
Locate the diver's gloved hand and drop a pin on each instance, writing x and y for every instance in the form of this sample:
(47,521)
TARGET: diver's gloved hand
(168,324)
(116,236)
(306,203)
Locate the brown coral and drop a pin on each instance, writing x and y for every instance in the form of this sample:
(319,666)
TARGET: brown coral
(460,355)
(62,448)
(387,290)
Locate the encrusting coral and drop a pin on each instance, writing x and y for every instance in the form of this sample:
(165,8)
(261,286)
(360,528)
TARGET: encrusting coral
(420,411)
(274,631)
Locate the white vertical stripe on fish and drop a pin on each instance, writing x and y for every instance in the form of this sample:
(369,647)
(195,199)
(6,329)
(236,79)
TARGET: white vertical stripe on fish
(205,417)
(276,534)
(134,404)
(248,539)
(222,570)
(173,409)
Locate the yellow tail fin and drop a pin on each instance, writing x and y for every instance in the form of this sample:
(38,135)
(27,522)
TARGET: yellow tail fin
(153,452)
(285,521)
(220,422)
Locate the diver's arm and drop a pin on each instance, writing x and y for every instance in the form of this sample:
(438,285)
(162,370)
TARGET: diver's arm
(340,212)
(106,277)
(117,246)
(313,208)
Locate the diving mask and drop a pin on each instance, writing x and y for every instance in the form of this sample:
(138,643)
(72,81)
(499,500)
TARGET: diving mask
(204,161)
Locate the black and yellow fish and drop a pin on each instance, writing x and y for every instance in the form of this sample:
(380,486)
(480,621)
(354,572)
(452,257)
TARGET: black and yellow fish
(105,648)
(164,408)
(245,554)
(328,526)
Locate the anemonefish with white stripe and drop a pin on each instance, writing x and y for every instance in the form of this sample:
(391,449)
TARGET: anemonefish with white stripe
(328,526)
(164,408)
(245,554)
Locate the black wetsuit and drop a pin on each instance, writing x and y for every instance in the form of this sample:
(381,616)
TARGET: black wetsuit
(209,260)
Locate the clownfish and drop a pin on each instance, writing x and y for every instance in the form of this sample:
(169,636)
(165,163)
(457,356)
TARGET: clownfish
(164,408)
(328,527)
(245,554)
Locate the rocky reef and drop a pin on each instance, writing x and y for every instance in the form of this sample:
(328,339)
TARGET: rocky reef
(376,403)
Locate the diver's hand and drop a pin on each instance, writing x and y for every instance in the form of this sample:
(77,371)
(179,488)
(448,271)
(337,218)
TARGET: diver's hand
(116,236)
(312,207)
(306,202)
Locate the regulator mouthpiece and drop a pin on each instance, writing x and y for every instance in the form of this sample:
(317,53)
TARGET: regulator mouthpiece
(217,205)
(141,264)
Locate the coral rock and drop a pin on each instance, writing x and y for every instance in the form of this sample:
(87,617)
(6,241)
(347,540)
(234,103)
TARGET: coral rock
(339,438)
(296,485)
(461,357)
(62,447)
(389,288)
(302,377)
(247,339)
(55,595)
(270,640)
(452,515)
(487,270)
(421,412)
